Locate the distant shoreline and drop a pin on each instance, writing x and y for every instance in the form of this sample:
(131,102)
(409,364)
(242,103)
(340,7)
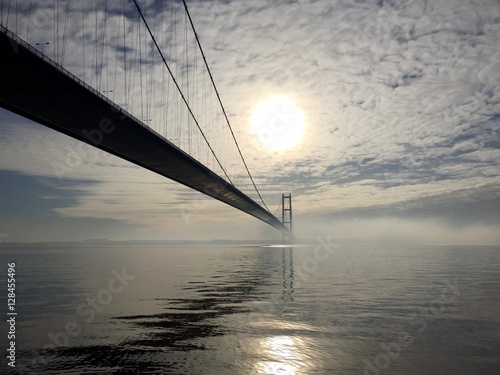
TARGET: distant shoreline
(266,243)
(103,242)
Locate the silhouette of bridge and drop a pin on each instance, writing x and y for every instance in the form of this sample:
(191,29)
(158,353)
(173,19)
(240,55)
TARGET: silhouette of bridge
(143,75)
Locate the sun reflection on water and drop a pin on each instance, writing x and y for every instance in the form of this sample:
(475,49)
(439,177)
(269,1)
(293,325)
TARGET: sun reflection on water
(284,356)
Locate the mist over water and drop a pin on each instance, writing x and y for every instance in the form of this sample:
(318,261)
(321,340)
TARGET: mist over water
(257,310)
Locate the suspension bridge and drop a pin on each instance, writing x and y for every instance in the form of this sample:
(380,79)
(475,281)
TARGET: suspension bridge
(133,81)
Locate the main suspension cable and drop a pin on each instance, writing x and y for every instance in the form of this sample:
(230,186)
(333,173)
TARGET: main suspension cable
(179,90)
(222,106)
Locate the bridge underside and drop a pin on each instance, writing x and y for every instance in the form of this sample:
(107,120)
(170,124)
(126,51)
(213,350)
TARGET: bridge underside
(39,90)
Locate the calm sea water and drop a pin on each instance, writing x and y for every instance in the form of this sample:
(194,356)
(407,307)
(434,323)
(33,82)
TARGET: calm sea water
(255,310)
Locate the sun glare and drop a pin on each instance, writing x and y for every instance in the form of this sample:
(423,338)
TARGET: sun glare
(278,123)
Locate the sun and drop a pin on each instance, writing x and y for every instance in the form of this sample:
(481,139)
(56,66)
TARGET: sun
(278,123)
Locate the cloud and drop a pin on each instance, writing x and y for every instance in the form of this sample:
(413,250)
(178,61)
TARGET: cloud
(400,99)
(106,196)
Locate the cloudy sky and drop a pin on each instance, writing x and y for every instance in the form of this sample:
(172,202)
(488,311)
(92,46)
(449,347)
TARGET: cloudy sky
(401,106)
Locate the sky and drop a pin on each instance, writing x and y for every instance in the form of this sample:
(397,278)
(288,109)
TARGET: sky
(401,108)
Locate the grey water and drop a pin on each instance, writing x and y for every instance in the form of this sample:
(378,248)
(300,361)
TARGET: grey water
(318,309)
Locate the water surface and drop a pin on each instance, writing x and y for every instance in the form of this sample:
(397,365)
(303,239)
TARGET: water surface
(256,310)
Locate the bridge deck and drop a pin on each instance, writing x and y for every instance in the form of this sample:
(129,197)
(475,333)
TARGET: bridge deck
(35,87)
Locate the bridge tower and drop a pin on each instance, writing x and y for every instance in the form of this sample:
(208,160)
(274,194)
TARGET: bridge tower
(286,215)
